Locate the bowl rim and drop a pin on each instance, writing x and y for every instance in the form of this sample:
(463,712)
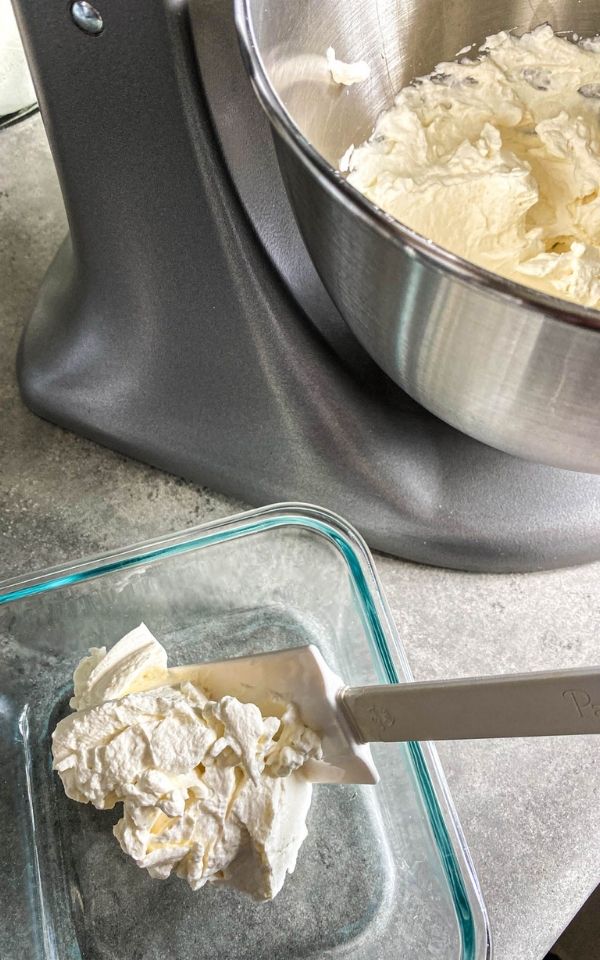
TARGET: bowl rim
(411,242)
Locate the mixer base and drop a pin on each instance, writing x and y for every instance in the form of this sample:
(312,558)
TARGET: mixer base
(165,331)
(265,411)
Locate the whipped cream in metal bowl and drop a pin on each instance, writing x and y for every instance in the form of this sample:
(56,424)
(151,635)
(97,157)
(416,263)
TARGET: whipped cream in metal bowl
(496,156)
(211,789)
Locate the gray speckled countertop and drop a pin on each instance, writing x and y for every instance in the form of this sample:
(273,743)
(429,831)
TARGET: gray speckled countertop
(530,809)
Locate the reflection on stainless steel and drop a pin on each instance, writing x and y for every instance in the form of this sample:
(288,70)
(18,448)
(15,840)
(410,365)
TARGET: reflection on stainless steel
(512,367)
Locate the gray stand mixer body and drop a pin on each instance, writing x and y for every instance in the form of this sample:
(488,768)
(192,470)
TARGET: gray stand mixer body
(183,322)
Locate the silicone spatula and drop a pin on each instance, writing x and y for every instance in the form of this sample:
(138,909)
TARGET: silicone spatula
(349,718)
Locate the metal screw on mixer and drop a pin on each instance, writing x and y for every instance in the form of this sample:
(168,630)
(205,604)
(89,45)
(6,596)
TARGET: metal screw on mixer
(86,17)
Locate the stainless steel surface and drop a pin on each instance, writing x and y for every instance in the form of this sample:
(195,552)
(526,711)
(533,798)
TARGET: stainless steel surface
(86,17)
(12,118)
(507,365)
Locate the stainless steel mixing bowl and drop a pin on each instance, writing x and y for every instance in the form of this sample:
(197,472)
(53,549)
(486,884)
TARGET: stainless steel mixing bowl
(510,366)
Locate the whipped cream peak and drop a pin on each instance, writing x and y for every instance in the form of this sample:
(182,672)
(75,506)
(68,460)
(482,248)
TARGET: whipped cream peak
(346,74)
(105,676)
(211,789)
(498,160)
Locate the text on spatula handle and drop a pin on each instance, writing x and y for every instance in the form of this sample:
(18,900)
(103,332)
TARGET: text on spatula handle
(582,703)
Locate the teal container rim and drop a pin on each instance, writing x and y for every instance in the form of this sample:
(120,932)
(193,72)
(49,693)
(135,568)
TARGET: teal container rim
(445,826)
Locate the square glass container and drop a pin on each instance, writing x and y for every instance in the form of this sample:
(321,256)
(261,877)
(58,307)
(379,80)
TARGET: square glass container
(384,872)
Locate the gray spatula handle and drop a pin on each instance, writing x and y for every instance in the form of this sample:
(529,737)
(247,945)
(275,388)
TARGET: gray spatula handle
(517,705)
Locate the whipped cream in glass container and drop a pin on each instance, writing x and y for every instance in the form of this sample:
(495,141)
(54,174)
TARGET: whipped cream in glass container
(211,789)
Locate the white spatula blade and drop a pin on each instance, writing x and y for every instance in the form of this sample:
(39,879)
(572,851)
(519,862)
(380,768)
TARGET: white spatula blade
(301,676)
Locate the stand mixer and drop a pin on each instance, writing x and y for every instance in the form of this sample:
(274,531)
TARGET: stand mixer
(184,323)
